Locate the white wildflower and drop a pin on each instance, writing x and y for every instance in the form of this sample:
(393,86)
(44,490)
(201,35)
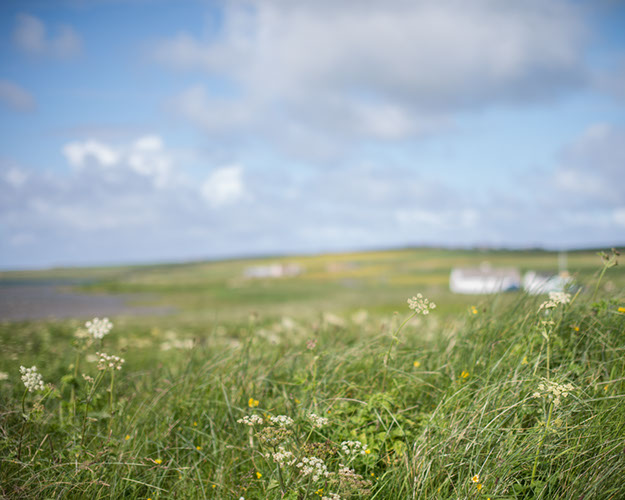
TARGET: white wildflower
(333,496)
(99,327)
(313,466)
(32,378)
(555,299)
(251,420)
(281,420)
(109,361)
(4,376)
(553,391)
(353,448)
(317,421)
(282,457)
(420,304)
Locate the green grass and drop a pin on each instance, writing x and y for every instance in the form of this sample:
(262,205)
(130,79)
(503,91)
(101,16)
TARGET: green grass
(447,397)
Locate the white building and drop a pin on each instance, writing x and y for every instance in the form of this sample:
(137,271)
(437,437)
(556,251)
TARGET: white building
(484,279)
(536,283)
(275,270)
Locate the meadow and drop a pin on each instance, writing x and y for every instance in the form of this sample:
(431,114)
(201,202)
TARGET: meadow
(324,385)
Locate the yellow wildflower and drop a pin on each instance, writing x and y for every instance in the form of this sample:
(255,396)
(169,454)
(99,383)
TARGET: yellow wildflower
(473,310)
(476,478)
(158,461)
(621,309)
(252,403)
(214,486)
(194,424)
(127,437)
(258,475)
(464,374)
(524,360)
(416,364)
(367,451)
(478,486)
(198,448)
(576,328)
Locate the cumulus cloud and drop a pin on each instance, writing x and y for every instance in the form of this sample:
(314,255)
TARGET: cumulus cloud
(386,71)
(224,186)
(591,167)
(31,36)
(15,97)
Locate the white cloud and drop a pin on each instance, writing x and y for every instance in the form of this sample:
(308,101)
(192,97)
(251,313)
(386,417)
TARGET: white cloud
(224,186)
(30,36)
(79,152)
(591,168)
(327,74)
(16,97)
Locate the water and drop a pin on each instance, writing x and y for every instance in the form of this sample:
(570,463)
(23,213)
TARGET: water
(53,299)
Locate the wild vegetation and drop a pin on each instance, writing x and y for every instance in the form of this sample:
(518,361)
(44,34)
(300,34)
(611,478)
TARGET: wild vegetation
(508,397)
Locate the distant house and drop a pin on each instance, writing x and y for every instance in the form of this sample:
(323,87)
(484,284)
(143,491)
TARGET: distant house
(484,279)
(538,283)
(275,270)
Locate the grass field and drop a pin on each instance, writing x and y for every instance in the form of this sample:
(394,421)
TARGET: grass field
(484,397)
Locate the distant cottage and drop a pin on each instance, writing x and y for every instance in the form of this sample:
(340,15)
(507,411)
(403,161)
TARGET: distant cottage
(484,279)
(538,283)
(275,270)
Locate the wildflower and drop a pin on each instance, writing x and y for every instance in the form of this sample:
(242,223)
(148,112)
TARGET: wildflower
(99,327)
(478,486)
(194,424)
(282,457)
(553,391)
(258,475)
(311,344)
(31,378)
(621,309)
(476,478)
(297,401)
(333,496)
(4,376)
(555,299)
(198,447)
(88,378)
(421,305)
(464,374)
(127,437)
(251,420)
(317,421)
(353,447)
(473,310)
(109,361)
(576,328)
(214,486)
(313,466)
(281,420)
(416,364)
(252,403)
(524,360)
(158,461)
(367,451)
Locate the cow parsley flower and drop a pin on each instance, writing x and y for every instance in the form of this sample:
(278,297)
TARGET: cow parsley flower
(282,456)
(555,299)
(421,305)
(106,361)
(553,391)
(317,421)
(99,327)
(251,420)
(32,378)
(353,448)
(313,466)
(281,420)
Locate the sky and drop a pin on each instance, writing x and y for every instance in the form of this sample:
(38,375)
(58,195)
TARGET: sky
(151,130)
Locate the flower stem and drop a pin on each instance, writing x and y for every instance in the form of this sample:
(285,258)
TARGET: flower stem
(25,417)
(542,440)
(390,347)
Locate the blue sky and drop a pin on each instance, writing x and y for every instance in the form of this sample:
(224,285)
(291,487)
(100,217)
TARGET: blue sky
(153,130)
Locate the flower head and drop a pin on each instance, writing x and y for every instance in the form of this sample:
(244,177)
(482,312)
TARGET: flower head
(99,327)
(353,448)
(106,361)
(32,378)
(317,421)
(281,420)
(421,305)
(252,403)
(251,420)
(553,391)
